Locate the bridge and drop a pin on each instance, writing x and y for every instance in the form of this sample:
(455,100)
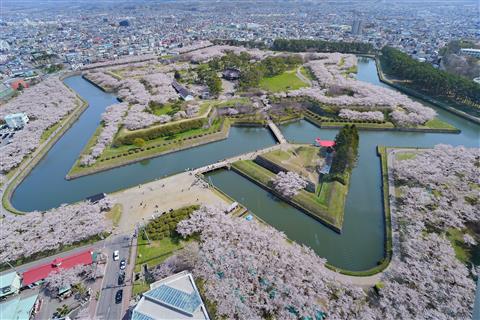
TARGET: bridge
(276,132)
(246,156)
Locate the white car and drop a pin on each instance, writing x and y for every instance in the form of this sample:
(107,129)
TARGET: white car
(116,255)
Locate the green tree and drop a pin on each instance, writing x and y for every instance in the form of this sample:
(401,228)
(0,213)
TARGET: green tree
(346,151)
(177,75)
(425,78)
(139,142)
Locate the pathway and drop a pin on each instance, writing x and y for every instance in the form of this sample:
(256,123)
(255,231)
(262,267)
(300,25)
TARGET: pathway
(276,132)
(303,78)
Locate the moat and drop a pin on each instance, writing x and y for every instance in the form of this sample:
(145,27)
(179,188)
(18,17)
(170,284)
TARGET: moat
(360,245)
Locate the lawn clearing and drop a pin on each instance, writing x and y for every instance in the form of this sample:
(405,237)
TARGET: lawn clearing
(436,123)
(114,214)
(283,82)
(156,251)
(303,159)
(404,156)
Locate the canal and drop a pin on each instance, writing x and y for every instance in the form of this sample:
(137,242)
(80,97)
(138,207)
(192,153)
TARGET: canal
(45,187)
(359,247)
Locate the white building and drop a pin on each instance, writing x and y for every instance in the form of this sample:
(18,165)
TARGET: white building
(471,52)
(16,120)
(173,298)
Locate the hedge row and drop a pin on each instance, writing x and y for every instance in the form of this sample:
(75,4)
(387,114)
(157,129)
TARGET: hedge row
(166,224)
(137,150)
(160,131)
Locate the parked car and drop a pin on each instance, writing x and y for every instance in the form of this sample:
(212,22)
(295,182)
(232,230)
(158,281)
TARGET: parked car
(116,255)
(119,296)
(123,264)
(121,279)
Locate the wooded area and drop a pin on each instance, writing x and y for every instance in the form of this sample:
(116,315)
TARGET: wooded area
(426,79)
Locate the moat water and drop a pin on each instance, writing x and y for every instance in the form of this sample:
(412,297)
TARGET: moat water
(359,247)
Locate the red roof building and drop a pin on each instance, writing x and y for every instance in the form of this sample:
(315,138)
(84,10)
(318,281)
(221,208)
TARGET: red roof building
(325,143)
(15,84)
(41,272)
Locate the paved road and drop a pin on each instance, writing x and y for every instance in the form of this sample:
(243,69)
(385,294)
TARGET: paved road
(107,308)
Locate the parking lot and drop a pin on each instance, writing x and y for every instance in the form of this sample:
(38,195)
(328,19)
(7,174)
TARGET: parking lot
(6,134)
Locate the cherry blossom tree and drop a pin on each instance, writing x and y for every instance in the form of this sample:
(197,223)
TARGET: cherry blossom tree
(185,259)
(121,60)
(64,277)
(208,53)
(102,79)
(288,183)
(336,89)
(252,272)
(426,280)
(28,234)
(111,118)
(357,115)
(45,104)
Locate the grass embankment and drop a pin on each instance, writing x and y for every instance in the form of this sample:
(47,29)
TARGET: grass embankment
(327,208)
(49,131)
(434,125)
(283,82)
(117,156)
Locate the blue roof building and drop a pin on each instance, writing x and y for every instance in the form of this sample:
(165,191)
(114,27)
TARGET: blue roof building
(175,297)
(10,283)
(19,308)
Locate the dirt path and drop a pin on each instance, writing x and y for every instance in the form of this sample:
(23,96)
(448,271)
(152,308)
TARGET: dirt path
(140,203)
(303,78)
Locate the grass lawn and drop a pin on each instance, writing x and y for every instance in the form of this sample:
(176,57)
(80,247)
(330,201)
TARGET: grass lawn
(165,109)
(285,81)
(114,214)
(405,156)
(110,152)
(140,287)
(327,207)
(302,159)
(436,123)
(157,146)
(157,251)
(466,254)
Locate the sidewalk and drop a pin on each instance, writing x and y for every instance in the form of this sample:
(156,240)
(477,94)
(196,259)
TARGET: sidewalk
(130,277)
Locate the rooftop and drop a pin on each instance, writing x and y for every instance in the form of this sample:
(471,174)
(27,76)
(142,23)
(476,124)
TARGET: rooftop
(18,308)
(7,279)
(175,297)
(42,271)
